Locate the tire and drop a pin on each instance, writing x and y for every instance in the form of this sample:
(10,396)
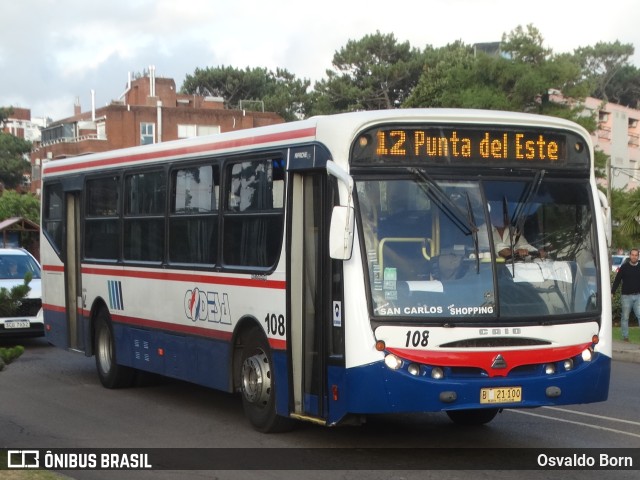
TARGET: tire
(257,386)
(473,417)
(110,373)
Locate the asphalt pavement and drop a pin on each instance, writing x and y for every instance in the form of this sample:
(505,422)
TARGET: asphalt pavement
(626,351)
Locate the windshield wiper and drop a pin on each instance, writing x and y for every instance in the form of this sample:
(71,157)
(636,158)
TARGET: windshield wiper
(472,221)
(522,209)
(463,221)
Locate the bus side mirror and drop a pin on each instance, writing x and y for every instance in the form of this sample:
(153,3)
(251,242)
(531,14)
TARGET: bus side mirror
(341,233)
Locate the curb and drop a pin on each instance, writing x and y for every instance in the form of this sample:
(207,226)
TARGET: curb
(626,354)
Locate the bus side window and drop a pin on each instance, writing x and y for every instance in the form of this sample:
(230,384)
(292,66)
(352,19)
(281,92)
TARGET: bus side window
(254,214)
(193,218)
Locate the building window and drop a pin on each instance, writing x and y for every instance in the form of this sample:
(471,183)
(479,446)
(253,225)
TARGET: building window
(101,131)
(603,117)
(147,133)
(208,130)
(186,131)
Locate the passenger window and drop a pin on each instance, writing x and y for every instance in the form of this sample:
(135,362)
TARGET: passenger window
(145,195)
(193,220)
(254,214)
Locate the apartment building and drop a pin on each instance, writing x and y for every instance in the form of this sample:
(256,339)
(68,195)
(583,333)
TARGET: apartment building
(20,124)
(618,135)
(149,111)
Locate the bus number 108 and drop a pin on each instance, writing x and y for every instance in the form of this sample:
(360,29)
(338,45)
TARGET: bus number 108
(417,338)
(275,324)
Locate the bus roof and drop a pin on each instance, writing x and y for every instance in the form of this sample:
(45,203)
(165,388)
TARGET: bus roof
(340,128)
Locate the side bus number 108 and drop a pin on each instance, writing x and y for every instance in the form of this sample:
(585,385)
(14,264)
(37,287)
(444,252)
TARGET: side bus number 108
(275,324)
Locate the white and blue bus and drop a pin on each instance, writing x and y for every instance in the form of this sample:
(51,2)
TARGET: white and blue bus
(363,263)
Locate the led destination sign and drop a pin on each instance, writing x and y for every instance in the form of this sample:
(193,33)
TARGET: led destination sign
(486,146)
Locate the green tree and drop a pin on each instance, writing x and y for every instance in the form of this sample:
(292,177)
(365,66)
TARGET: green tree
(14,204)
(626,214)
(280,91)
(518,78)
(624,87)
(13,164)
(4,114)
(375,72)
(10,299)
(601,63)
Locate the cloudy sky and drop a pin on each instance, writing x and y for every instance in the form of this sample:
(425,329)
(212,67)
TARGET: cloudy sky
(54,51)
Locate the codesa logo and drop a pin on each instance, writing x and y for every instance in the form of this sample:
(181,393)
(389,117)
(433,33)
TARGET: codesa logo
(207,306)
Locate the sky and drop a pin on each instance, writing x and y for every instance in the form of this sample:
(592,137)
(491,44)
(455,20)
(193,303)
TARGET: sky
(53,52)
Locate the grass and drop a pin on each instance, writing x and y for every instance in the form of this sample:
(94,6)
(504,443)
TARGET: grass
(634,334)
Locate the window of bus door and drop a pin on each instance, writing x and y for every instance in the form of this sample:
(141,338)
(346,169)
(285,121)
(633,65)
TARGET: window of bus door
(52,212)
(430,247)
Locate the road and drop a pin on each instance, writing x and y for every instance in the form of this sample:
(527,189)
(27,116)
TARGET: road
(50,398)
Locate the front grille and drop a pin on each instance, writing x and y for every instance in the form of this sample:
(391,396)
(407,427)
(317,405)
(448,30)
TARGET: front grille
(493,342)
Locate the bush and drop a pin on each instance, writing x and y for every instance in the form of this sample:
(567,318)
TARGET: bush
(8,355)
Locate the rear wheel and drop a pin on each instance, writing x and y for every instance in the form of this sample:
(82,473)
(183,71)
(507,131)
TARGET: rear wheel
(110,373)
(258,386)
(473,417)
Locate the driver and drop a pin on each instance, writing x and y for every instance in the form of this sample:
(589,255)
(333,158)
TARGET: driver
(501,238)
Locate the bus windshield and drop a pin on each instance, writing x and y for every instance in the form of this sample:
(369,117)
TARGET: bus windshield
(478,248)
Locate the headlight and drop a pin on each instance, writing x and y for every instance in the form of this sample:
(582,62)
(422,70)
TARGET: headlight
(393,362)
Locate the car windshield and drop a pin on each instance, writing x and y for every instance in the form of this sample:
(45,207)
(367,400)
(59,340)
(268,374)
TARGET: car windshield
(16,266)
(440,247)
(617,260)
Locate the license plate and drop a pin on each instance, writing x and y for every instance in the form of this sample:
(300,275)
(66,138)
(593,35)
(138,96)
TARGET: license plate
(17,324)
(501,395)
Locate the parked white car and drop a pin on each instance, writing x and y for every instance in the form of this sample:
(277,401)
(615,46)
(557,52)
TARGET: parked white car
(617,261)
(28,320)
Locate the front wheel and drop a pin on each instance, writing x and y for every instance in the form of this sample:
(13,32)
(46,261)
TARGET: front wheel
(473,417)
(110,373)
(258,386)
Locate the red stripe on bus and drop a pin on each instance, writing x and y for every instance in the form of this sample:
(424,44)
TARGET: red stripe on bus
(484,360)
(225,144)
(54,308)
(53,268)
(187,277)
(276,344)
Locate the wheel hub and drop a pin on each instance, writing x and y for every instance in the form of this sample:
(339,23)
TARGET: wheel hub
(256,379)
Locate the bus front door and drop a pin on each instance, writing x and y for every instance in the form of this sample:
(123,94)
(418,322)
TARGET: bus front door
(311,296)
